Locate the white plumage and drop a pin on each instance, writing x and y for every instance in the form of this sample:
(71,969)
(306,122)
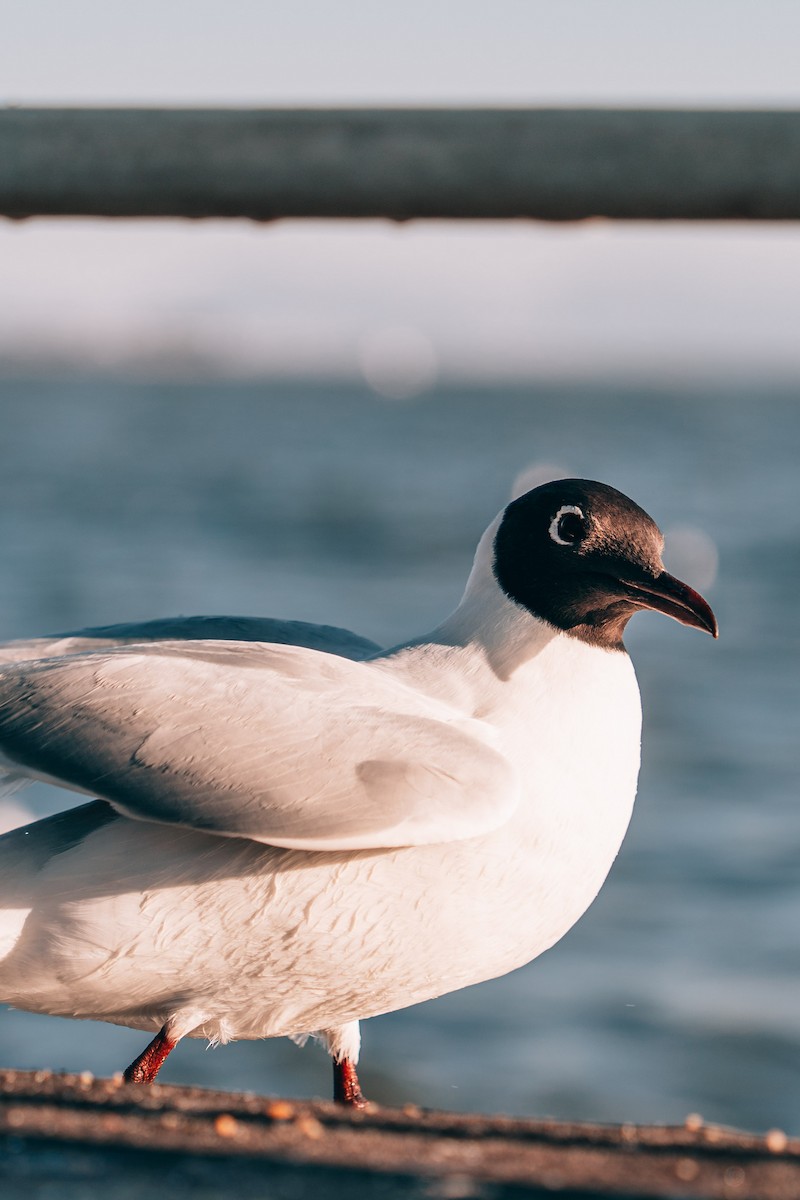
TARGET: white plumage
(295,839)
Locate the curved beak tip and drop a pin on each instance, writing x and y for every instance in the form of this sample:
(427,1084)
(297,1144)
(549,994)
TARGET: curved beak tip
(675,599)
(701,609)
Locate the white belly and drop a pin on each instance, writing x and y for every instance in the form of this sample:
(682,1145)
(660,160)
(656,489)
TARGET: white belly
(139,921)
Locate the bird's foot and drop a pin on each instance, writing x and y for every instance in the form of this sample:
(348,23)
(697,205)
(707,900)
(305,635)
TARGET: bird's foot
(346,1088)
(145,1068)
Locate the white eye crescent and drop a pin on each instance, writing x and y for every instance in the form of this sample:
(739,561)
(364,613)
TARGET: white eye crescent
(567,533)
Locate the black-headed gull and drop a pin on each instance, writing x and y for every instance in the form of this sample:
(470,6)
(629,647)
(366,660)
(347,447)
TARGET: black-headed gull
(292,837)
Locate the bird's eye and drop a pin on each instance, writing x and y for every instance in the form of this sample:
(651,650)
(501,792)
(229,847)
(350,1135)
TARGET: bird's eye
(568,526)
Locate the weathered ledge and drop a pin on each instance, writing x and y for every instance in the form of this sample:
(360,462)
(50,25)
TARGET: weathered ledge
(106,1138)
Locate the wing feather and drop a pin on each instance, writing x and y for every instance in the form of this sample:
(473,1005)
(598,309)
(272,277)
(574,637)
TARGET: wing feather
(329,638)
(282,744)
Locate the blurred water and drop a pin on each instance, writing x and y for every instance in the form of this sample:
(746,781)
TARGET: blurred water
(678,991)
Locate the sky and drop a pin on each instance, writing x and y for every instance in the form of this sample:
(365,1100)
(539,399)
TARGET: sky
(403,306)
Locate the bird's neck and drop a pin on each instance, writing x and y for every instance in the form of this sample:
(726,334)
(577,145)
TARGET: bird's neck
(485,643)
(487,623)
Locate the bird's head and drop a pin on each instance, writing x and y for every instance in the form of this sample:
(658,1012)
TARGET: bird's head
(585,558)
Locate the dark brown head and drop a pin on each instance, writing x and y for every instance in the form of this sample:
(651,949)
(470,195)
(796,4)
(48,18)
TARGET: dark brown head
(585,558)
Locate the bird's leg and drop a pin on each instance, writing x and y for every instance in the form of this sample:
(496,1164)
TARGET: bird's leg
(145,1068)
(346,1088)
(344,1044)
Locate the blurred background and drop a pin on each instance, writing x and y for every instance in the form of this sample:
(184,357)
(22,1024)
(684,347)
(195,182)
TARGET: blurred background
(318,420)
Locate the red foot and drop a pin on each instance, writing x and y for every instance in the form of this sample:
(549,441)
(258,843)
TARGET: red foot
(346,1088)
(145,1068)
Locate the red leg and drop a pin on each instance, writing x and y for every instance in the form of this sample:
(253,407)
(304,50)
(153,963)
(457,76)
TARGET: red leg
(346,1088)
(145,1068)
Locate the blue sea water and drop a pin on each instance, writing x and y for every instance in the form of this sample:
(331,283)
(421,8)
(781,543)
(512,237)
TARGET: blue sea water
(679,990)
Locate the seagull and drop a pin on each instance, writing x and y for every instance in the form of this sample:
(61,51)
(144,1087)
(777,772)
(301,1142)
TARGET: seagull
(293,830)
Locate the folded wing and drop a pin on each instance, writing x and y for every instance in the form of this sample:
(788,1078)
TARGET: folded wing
(329,638)
(281,744)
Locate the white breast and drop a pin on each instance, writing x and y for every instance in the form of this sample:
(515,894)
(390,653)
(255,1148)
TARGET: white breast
(137,917)
(576,744)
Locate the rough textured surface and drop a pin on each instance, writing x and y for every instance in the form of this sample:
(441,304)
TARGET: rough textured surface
(552,164)
(76,1137)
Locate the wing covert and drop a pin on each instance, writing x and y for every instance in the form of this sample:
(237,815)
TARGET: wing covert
(283,745)
(329,638)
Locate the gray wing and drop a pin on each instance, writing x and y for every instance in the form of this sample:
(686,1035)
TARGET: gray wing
(329,638)
(281,744)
